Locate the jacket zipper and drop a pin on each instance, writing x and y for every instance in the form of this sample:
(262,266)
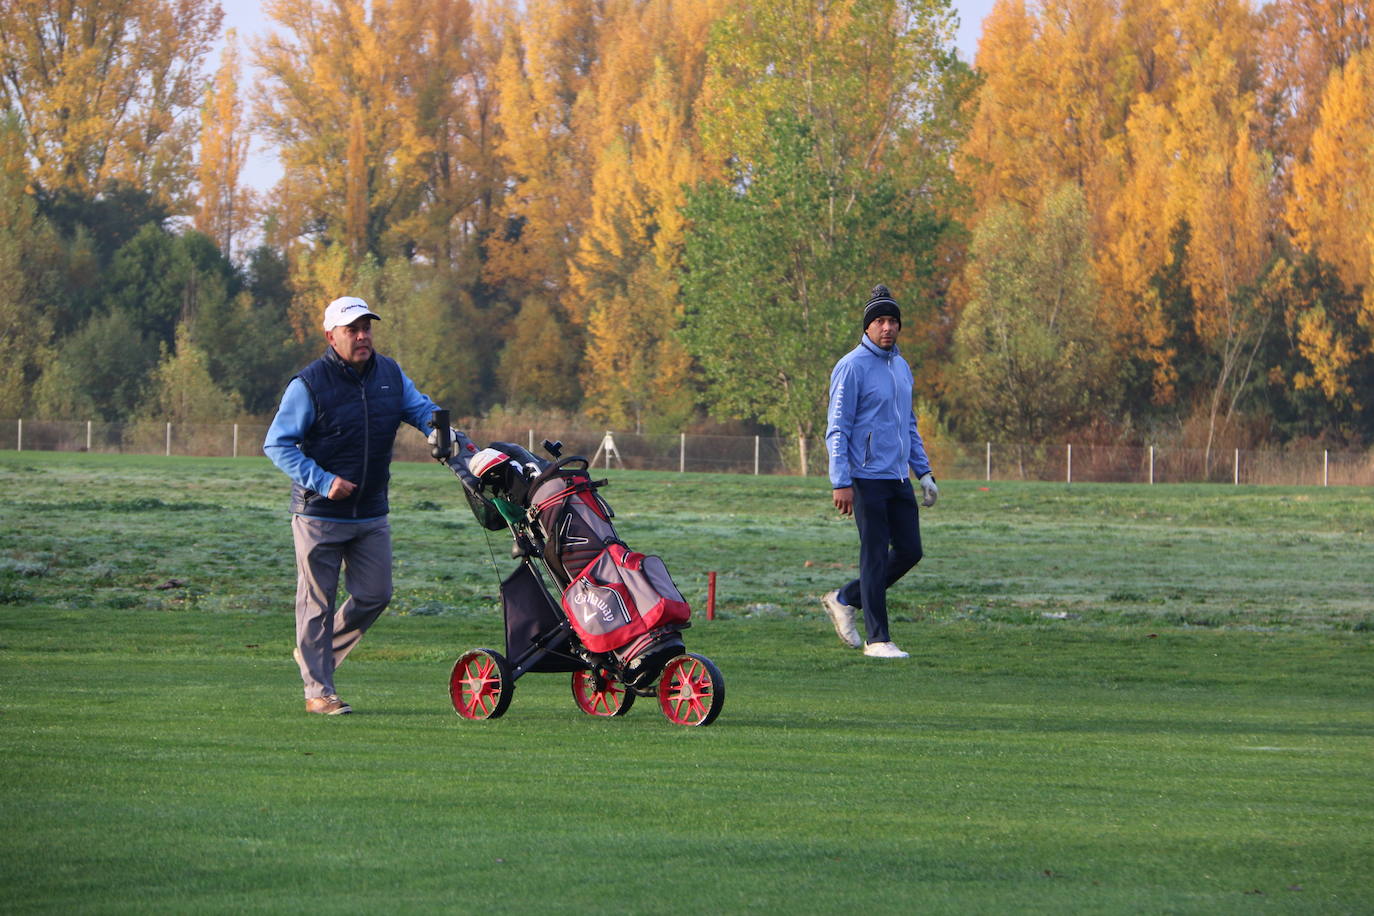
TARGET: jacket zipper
(367,438)
(896,416)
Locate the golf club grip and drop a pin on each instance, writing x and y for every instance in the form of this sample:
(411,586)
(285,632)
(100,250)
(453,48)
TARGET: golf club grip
(443,447)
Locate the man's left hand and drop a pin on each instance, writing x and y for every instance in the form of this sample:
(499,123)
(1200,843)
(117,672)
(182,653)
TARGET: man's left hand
(929,491)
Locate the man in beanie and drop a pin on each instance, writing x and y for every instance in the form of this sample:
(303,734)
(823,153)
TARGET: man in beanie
(333,435)
(874,447)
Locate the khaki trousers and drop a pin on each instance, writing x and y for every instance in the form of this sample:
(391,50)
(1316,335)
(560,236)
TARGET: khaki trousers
(324,635)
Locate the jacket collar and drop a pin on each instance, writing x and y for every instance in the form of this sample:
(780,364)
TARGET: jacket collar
(870,346)
(332,357)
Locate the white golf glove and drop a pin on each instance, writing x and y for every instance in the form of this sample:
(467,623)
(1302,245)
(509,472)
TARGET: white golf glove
(929,491)
(453,434)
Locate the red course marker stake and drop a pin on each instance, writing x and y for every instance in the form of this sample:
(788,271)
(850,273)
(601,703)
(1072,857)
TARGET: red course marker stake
(710,596)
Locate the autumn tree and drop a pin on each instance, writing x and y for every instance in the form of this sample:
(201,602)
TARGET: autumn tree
(108,90)
(1331,206)
(546,63)
(355,98)
(1302,42)
(1058,82)
(537,367)
(623,281)
(227,205)
(1330,212)
(1222,181)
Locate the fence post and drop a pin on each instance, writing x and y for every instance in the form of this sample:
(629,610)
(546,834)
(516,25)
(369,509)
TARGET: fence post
(531,440)
(88,435)
(169,440)
(987,462)
(1152,464)
(1068,464)
(1235,468)
(756,456)
(19,438)
(1325,466)
(682,453)
(236,440)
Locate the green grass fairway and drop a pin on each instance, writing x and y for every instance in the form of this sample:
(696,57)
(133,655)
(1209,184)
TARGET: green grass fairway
(1121,699)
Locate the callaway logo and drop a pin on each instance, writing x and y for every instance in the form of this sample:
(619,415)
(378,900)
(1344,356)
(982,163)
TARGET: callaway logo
(594,601)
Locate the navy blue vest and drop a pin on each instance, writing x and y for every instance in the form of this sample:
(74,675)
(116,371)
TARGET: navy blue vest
(356,418)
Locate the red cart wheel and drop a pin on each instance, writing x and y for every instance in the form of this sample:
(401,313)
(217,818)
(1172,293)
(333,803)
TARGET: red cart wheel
(599,695)
(691,690)
(481,684)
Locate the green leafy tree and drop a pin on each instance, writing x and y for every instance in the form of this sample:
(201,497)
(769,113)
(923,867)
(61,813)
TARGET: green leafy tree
(158,278)
(1030,360)
(100,371)
(181,390)
(29,277)
(778,263)
(427,326)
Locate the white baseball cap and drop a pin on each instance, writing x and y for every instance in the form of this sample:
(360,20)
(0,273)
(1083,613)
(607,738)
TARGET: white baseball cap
(346,310)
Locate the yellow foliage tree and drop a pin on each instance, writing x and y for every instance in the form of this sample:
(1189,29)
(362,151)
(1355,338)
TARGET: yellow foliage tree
(621,278)
(1333,186)
(545,64)
(1331,215)
(1303,42)
(227,206)
(107,90)
(1058,85)
(353,99)
(1189,163)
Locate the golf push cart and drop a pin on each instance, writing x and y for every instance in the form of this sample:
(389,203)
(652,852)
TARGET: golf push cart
(617,623)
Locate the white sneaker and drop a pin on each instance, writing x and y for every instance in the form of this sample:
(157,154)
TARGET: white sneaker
(884,650)
(842,615)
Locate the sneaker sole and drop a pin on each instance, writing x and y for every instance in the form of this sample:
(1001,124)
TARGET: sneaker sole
(838,620)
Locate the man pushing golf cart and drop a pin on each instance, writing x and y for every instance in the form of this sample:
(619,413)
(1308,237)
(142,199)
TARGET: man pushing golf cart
(617,622)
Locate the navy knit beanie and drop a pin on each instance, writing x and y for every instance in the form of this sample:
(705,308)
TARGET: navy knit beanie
(879,304)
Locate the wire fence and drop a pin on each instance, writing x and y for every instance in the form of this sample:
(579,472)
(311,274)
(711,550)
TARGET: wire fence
(684,452)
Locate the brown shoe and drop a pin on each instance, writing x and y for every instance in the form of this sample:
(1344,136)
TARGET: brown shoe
(327,706)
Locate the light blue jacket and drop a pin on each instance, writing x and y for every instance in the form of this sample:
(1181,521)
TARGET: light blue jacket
(870,428)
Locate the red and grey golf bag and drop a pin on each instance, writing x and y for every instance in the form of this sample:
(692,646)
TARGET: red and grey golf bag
(618,601)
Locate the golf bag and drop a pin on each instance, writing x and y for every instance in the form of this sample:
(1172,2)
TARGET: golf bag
(619,602)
